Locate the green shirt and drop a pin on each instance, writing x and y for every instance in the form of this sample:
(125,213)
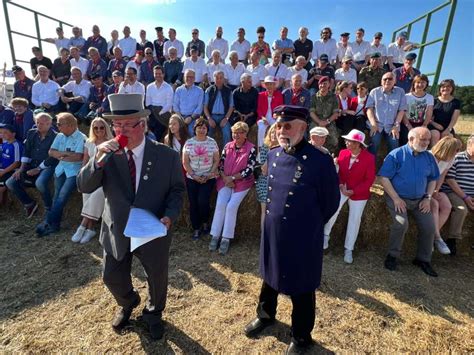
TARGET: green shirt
(324,106)
(372,76)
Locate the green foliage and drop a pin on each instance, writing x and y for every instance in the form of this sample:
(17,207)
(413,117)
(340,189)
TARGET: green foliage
(466,95)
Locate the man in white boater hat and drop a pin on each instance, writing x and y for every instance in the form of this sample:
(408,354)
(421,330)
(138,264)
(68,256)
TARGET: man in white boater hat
(146,175)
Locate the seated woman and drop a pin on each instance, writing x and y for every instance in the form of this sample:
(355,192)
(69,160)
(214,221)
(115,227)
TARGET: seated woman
(444,152)
(357,105)
(446,111)
(261,185)
(420,107)
(92,204)
(356,175)
(234,182)
(177,133)
(200,160)
(345,122)
(266,103)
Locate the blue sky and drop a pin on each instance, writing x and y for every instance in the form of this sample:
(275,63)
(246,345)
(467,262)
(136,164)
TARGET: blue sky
(341,16)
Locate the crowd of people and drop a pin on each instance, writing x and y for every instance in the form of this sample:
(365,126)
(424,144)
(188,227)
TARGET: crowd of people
(357,94)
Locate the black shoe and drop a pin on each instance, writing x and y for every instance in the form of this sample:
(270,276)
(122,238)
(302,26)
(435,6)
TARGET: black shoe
(40,227)
(47,230)
(205,229)
(123,315)
(298,348)
(196,235)
(390,263)
(157,330)
(451,243)
(256,326)
(426,267)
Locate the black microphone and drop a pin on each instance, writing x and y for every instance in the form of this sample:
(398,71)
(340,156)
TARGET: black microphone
(122,141)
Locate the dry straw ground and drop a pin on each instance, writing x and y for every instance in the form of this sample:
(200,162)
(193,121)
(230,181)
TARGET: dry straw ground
(52,298)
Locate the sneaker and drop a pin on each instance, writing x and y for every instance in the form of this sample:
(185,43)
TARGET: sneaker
(224,247)
(442,247)
(326,242)
(213,244)
(196,234)
(31,209)
(205,229)
(76,238)
(348,256)
(87,236)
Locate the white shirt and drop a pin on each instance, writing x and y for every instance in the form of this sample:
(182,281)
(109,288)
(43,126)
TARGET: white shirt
(350,75)
(397,53)
(381,49)
(45,93)
(111,44)
(211,68)
(242,49)
(234,74)
(258,74)
(160,96)
(82,89)
(328,48)
(217,43)
(82,64)
(132,64)
(303,72)
(62,43)
(135,88)
(199,67)
(358,51)
(282,72)
(176,44)
(138,153)
(341,50)
(128,46)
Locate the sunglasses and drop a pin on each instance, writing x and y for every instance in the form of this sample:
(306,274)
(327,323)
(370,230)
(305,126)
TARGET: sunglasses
(99,128)
(286,126)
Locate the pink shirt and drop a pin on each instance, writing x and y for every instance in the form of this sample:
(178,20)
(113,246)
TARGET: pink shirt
(236,161)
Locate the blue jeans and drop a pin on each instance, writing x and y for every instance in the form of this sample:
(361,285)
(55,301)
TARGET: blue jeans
(63,187)
(191,127)
(226,134)
(377,138)
(42,184)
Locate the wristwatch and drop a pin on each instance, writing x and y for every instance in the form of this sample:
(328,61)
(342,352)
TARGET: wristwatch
(428,196)
(328,121)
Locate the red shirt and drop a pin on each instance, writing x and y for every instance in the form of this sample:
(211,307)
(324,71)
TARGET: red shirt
(360,177)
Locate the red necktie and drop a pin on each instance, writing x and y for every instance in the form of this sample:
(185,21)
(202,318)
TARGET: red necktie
(132,168)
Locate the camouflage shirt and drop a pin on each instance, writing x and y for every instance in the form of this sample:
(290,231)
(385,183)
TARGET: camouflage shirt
(324,106)
(371,76)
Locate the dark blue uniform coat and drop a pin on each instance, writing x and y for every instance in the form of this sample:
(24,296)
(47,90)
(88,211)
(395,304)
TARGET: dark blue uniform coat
(303,194)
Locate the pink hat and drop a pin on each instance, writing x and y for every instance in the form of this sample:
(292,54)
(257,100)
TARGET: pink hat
(356,136)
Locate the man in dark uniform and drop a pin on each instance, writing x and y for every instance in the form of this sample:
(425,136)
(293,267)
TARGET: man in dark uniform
(303,194)
(159,44)
(23,85)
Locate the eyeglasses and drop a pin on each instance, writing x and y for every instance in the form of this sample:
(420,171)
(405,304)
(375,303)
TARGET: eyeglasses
(115,125)
(98,128)
(286,126)
(387,79)
(148,53)
(194,33)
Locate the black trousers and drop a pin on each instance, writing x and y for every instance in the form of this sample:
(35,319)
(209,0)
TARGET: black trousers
(199,201)
(154,258)
(302,316)
(157,123)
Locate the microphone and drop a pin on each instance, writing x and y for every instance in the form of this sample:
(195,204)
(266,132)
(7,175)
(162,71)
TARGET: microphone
(122,141)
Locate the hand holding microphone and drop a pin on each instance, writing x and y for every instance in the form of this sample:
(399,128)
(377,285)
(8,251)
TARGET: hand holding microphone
(108,148)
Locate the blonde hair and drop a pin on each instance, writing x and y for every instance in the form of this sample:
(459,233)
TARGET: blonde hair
(268,136)
(342,85)
(240,125)
(108,132)
(446,148)
(68,119)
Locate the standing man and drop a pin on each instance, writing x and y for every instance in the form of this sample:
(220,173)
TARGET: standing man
(408,176)
(325,45)
(128,44)
(291,250)
(359,50)
(39,60)
(342,48)
(143,168)
(378,46)
(285,46)
(173,42)
(241,46)
(23,85)
(304,46)
(397,50)
(159,44)
(218,43)
(96,41)
(144,43)
(195,42)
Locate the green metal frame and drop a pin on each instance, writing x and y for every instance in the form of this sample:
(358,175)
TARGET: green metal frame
(407,27)
(10,32)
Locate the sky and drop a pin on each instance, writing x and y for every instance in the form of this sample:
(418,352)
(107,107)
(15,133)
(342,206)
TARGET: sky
(183,15)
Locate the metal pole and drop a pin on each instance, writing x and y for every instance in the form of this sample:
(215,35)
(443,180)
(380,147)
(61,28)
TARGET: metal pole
(423,40)
(10,38)
(443,46)
(38,31)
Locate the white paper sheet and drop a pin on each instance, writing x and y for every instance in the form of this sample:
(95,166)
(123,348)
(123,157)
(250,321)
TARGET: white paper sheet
(143,227)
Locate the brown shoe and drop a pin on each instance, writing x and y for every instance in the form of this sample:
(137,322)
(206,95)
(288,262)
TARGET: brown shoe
(123,315)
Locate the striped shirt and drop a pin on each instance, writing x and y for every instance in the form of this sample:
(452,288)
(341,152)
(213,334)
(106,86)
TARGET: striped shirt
(463,172)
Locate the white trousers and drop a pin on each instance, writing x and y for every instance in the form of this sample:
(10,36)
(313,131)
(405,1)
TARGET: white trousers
(356,208)
(225,215)
(262,129)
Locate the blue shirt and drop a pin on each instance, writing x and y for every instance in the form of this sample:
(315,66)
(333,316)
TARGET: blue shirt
(11,153)
(6,115)
(386,106)
(73,143)
(409,173)
(188,101)
(218,108)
